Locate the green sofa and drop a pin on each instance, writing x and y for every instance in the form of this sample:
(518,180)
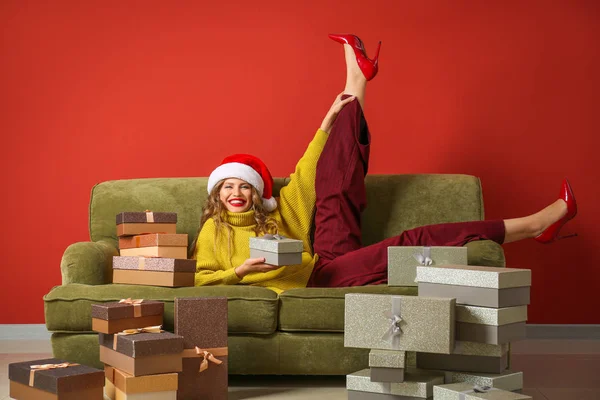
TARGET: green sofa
(297,332)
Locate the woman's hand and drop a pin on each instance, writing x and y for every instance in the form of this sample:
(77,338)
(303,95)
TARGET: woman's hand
(333,112)
(254,265)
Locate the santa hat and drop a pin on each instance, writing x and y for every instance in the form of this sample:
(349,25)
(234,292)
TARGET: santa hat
(250,169)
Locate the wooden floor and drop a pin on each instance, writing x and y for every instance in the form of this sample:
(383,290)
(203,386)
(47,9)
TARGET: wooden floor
(553,370)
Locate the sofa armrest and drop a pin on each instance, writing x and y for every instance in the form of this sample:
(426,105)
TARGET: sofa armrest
(89,263)
(485,253)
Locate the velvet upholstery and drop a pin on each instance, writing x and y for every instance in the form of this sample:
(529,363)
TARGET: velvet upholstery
(297,332)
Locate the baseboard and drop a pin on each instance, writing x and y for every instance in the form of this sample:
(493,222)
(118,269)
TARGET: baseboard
(24,332)
(534,331)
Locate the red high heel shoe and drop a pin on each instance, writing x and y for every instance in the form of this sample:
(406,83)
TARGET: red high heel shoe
(368,67)
(551,233)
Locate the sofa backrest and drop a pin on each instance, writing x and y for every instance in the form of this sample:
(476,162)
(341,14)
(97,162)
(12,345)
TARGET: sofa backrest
(394,202)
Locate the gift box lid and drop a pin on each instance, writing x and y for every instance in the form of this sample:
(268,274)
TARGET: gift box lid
(387,358)
(154,264)
(475,276)
(132,217)
(50,377)
(142,344)
(276,244)
(507,380)
(490,316)
(469,391)
(154,239)
(126,308)
(479,349)
(417,383)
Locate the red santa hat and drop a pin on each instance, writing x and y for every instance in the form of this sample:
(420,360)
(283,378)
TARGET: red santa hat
(250,169)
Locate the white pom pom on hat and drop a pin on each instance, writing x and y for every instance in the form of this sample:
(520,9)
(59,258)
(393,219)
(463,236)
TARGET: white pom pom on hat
(250,169)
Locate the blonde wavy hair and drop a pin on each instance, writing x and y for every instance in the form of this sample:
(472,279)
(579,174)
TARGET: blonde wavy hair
(214,208)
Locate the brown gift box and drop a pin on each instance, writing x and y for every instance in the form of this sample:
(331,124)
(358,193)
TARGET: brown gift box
(203,323)
(138,229)
(154,239)
(146,217)
(169,272)
(130,384)
(142,353)
(117,316)
(71,383)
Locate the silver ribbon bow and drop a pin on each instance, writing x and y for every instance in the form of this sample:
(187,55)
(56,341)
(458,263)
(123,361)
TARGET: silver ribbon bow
(476,389)
(395,330)
(425,258)
(277,236)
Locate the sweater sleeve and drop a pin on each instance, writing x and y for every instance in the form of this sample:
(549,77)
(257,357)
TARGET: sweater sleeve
(297,199)
(209,271)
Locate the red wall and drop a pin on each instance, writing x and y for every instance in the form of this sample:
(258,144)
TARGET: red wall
(507,91)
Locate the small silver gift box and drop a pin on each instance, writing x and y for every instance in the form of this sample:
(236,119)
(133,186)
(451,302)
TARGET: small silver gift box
(468,391)
(276,250)
(403,261)
(417,384)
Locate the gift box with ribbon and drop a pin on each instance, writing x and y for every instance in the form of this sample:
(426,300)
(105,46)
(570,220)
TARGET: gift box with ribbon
(387,365)
(203,324)
(390,322)
(143,351)
(468,391)
(155,245)
(403,261)
(490,325)
(476,286)
(54,379)
(170,272)
(417,384)
(276,249)
(136,223)
(507,380)
(120,385)
(469,357)
(125,314)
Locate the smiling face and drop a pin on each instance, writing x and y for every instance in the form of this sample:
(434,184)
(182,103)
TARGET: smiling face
(236,195)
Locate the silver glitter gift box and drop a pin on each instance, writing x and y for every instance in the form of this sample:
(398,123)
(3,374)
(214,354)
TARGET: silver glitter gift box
(468,356)
(468,391)
(476,286)
(490,325)
(387,358)
(403,261)
(416,383)
(276,250)
(389,322)
(507,380)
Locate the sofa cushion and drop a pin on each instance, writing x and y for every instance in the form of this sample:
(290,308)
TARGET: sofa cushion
(322,309)
(251,309)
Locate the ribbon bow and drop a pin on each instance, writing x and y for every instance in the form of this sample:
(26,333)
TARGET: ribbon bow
(43,367)
(148,329)
(277,236)
(136,303)
(425,258)
(206,357)
(394,329)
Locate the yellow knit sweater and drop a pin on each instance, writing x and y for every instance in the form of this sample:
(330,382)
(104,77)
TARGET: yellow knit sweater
(294,215)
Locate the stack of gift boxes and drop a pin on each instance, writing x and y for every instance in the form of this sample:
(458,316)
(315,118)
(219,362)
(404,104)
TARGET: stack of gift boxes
(151,252)
(449,342)
(147,362)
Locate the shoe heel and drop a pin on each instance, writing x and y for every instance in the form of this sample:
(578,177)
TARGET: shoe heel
(376,58)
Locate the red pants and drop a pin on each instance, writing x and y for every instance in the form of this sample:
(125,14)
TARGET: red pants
(341,197)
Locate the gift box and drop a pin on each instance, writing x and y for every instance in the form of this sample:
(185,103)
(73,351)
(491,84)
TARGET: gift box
(54,379)
(156,251)
(403,261)
(203,324)
(170,272)
(468,356)
(153,240)
(476,286)
(389,322)
(276,249)
(129,387)
(356,395)
(126,314)
(387,365)
(143,351)
(383,374)
(507,380)
(135,223)
(416,383)
(467,391)
(490,325)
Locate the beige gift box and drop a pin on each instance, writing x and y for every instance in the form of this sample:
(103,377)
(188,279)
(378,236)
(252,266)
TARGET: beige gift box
(403,261)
